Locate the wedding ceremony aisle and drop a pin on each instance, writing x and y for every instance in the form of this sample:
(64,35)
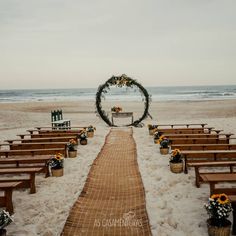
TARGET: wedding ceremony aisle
(113,199)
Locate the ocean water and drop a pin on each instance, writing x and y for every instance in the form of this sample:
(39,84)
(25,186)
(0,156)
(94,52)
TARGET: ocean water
(188,93)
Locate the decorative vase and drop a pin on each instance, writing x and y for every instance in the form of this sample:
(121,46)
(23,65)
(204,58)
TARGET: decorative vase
(218,231)
(57,172)
(164,151)
(176,167)
(72,154)
(90,134)
(83,141)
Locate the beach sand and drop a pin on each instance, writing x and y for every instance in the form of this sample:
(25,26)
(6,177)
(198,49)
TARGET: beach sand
(174,204)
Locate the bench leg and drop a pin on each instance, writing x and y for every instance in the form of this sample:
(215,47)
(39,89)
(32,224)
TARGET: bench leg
(197,177)
(234,218)
(212,187)
(3,232)
(185,165)
(32,183)
(47,172)
(8,199)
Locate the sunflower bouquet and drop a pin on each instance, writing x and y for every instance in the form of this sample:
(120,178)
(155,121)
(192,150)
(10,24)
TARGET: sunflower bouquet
(218,209)
(83,134)
(157,135)
(176,156)
(5,219)
(56,161)
(151,127)
(116,109)
(71,146)
(163,141)
(90,128)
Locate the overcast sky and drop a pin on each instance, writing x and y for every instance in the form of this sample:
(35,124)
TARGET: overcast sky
(75,43)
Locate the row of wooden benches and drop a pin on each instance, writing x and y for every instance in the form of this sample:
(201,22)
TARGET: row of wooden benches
(203,149)
(30,156)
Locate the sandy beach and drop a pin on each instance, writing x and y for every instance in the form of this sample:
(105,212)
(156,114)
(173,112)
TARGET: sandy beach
(174,204)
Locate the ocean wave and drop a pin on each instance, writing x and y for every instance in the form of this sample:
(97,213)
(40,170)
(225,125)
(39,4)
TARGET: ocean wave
(121,94)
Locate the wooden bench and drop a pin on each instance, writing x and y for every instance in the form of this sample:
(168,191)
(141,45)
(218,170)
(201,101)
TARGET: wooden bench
(204,146)
(209,155)
(6,199)
(27,161)
(32,152)
(187,125)
(121,115)
(25,183)
(42,131)
(174,141)
(232,199)
(173,136)
(50,128)
(198,165)
(207,130)
(215,178)
(57,120)
(47,135)
(39,140)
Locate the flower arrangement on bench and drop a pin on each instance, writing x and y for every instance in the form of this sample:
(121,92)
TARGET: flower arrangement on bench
(5,220)
(116,109)
(157,135)
(152,129)
(90,131)
(83,137)
(218,209)
(56,164)
(164,145)
(71,147)
(176,162)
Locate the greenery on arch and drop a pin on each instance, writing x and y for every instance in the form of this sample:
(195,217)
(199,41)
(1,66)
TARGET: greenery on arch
(120,81)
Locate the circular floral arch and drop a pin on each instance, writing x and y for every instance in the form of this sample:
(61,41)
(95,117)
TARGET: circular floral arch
(121,81)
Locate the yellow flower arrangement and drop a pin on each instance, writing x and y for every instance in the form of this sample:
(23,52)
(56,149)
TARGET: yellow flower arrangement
(163,141)
(56,161)
(218,208)
(116,109)
(176,156)
(71,145)
(90,128)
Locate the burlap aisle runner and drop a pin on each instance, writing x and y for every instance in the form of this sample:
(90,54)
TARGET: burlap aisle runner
(113,200)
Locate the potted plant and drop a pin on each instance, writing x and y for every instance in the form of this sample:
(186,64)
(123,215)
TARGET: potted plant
(90,131)
(116,109)
(83,138)
(164,145)
(156,136)
(218,209)
(56,163)
(5,220)
(152,129)
(71,147)
(176,162)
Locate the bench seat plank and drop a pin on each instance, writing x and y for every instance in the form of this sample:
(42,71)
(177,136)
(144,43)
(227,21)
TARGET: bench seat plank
(6,200)
(204,146)
(186,124)
(198,165)
(32,152)
(20,161)
(213,179)
(174,141)
(213,155)
(49,139)
(31,171)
